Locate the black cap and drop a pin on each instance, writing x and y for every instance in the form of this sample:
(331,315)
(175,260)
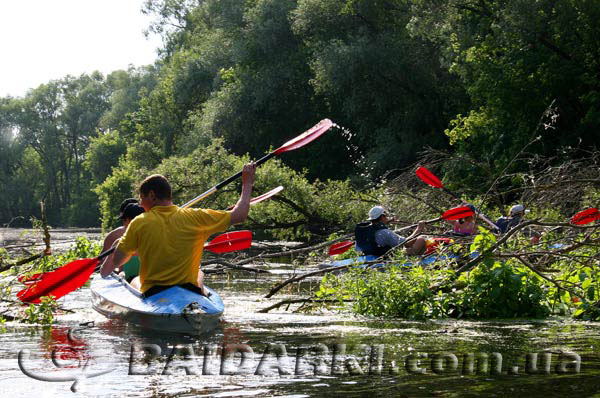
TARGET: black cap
(131,211)
(124,205)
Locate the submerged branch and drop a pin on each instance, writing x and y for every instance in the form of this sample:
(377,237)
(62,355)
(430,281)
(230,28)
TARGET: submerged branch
(298,278)
(294,251)
(298,301)
(237,267)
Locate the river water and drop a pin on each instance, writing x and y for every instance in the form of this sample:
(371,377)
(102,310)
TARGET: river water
(288,354)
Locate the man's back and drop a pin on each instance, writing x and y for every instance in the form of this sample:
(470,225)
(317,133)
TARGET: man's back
(169,241)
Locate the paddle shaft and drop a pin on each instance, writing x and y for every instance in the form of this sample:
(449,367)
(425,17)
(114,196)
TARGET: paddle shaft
(433,220)
(262,197)
(227,181)
(479,215)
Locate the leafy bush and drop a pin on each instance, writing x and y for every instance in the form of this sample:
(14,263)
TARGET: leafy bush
(502,290)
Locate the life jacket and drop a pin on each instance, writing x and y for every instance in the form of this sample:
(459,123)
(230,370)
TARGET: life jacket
(364,233)
(505,224)
(431,244)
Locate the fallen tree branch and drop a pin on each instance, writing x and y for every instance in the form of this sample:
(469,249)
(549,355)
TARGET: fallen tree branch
(237,267)
(8,266)
(314,273)
(555,283)
(295,251)
(298,301)
(472,263)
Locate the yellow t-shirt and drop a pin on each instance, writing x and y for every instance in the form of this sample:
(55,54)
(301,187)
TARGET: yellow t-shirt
(169,241)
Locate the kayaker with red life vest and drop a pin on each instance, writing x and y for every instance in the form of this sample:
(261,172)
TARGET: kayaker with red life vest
(170,240)
(373,237)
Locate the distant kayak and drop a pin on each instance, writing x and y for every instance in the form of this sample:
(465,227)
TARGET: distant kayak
(175,309)
(366,261)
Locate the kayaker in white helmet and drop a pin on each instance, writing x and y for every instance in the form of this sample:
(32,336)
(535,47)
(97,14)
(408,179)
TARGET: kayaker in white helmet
(373,237)
(516,215)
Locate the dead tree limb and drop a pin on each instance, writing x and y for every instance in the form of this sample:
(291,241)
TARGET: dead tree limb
(315,273)
(238,267)
(298,301)
(295,251)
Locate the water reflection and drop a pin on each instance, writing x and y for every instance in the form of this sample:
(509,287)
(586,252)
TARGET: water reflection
(338,354)
(62,345)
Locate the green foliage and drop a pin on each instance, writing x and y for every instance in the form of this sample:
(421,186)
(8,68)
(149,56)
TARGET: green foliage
(394,74)
(515,58)
(398,292)
(42,313)
(493,290)
(103,154)
(117,187)
(502,290)
(84,248)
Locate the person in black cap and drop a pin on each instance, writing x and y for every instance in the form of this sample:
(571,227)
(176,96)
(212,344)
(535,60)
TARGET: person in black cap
(116,233)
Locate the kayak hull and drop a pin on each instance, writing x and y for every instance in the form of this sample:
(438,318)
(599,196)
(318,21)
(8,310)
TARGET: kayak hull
(175,309)
(361,261)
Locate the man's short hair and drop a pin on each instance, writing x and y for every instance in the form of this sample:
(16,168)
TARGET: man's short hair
(157,183)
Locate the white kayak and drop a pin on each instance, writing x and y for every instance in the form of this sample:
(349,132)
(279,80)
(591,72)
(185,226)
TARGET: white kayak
(366,261)
(174,309)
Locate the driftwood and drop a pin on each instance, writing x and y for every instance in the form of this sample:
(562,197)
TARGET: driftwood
(314,273)
(298,301)
(295,251)
(46,252)
(237,267)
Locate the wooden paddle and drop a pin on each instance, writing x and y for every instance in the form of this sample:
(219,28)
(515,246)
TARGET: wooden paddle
(73,275)
(305,138)
(456,213)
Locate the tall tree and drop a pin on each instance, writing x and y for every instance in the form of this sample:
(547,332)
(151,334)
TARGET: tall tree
(383,84)
(515,58)
(57,121)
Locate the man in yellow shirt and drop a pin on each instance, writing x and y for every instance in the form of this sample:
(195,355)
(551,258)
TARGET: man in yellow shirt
(170,240)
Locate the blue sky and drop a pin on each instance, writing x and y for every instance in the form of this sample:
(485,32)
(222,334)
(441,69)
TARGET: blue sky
(44,40)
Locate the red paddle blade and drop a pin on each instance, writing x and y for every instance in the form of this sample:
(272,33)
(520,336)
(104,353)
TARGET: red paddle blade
(60,281)
(229,242)
(457,213)
(267,195)
(585,216)
(308,136)
(428,177)
(340,247)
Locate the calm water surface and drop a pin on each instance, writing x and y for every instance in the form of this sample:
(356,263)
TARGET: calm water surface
(325,355)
